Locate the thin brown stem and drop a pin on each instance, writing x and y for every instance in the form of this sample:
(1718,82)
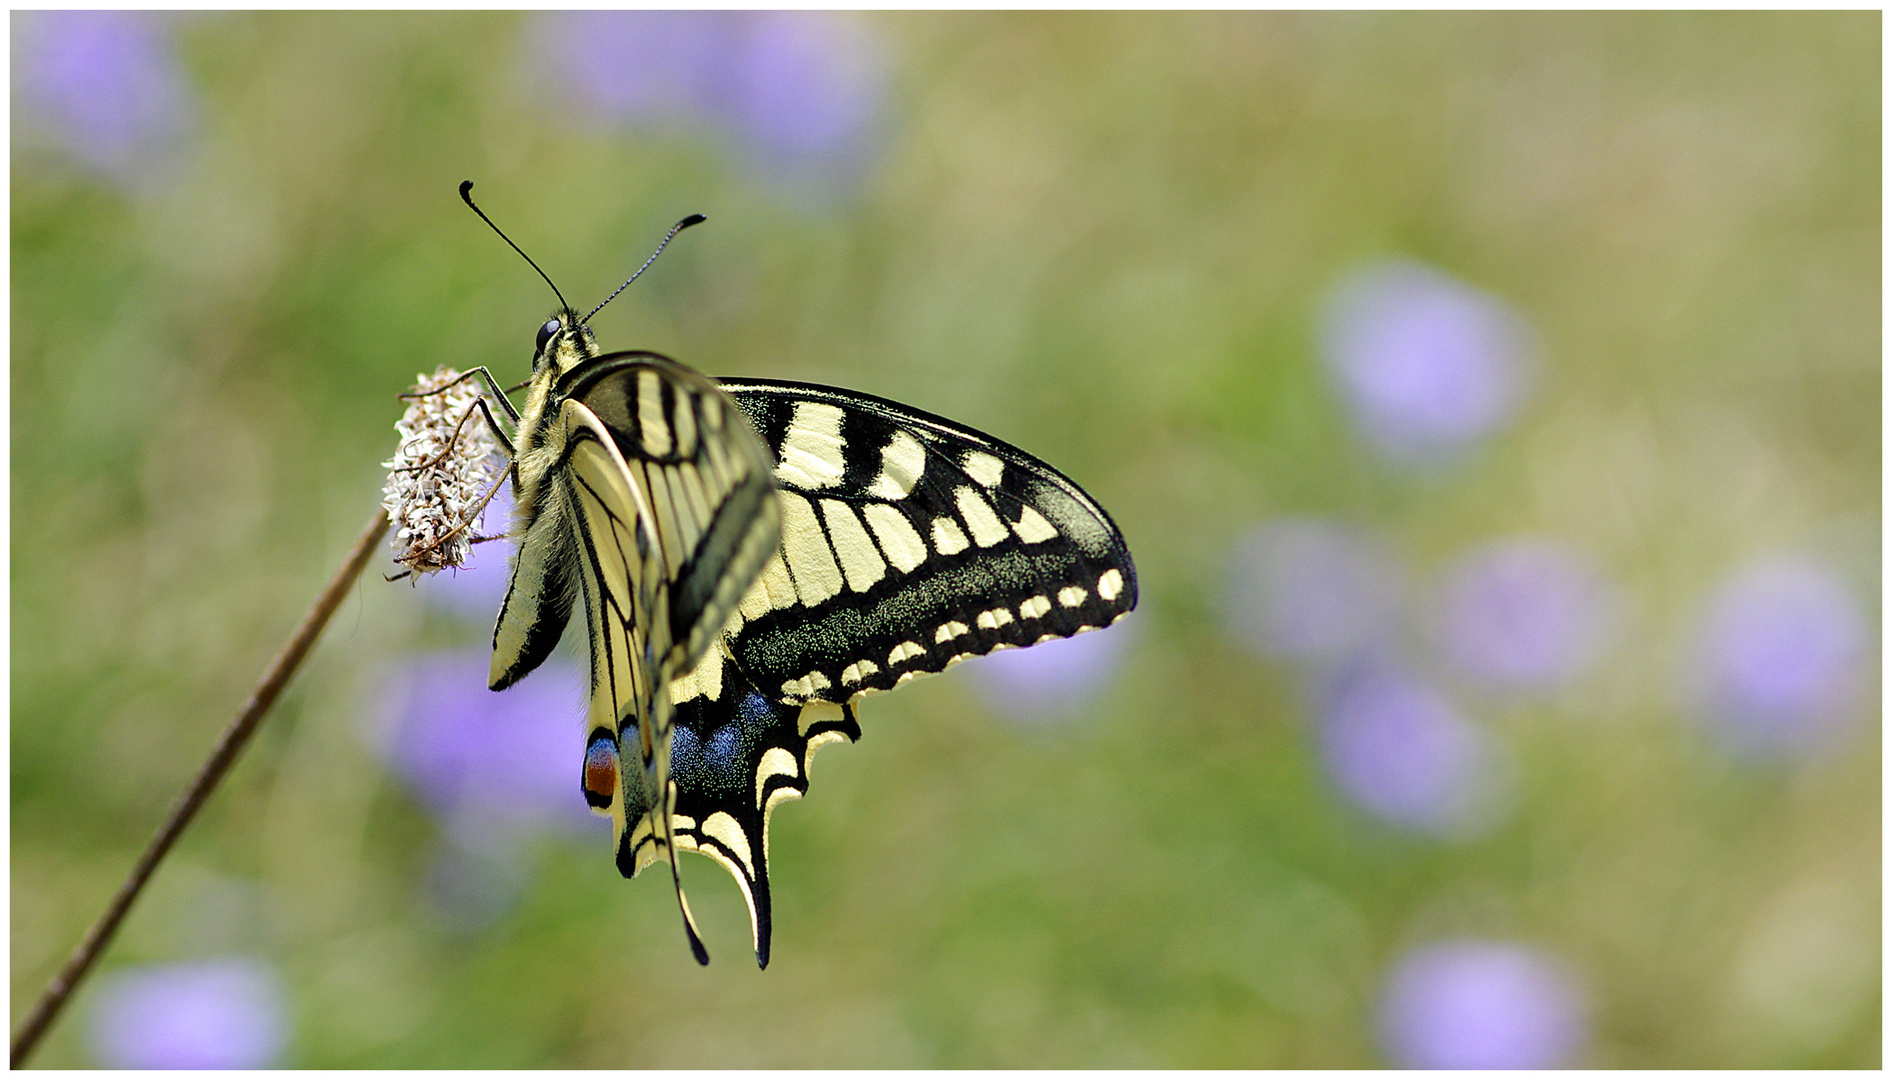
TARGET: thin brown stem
(280,670)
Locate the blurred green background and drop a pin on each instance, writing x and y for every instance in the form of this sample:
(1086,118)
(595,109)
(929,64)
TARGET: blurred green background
(1109,239)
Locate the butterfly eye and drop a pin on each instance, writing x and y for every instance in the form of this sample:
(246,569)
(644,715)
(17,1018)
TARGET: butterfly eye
(545,334)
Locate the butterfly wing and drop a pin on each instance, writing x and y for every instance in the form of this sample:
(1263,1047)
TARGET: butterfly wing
(659,508)
(735,755)
(706,480)
(908,543)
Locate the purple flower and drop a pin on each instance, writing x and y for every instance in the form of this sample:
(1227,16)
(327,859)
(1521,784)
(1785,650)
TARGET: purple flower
(640,65)
(805,85)
(1051,678)
(1307,589)
(1428,364)
(106,85)
(1471,1004)
(229,1013)
(494,767)
(1398,748)
(1523,612)
(799,92)
(1779,656)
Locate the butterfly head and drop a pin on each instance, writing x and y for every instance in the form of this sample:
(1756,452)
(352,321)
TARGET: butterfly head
(564,342)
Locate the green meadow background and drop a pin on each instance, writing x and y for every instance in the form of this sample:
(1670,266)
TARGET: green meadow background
(1107,239)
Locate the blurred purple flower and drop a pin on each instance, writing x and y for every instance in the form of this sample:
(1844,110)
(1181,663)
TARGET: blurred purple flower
(800,92)
(1779,656)
(1398,748)
(494,767)
(1523,612)
(1428,364)
(228,1013)
(805,84)
(1308,589)
(106,85)
(1051,678)
(640,65)
(1471,1004)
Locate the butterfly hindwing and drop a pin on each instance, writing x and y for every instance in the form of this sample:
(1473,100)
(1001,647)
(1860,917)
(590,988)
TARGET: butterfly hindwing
(540,592)
(736,754)
(621,568)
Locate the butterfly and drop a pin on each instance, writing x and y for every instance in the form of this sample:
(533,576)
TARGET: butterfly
(752,557)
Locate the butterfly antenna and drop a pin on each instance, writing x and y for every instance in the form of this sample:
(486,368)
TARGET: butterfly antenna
(466,187)
(693,219)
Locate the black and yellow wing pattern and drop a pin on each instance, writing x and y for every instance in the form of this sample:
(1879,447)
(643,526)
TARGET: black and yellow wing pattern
(909,543)
(644,492)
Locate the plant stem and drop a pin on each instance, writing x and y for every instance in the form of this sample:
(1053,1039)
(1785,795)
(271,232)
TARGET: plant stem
(277,676)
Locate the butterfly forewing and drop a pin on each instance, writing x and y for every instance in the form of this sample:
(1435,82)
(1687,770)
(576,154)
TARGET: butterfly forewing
(704,476)
(908,543)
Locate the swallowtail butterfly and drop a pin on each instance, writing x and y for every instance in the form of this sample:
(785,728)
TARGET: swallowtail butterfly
(752,557)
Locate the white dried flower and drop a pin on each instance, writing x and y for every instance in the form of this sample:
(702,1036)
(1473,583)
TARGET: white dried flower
(447,464)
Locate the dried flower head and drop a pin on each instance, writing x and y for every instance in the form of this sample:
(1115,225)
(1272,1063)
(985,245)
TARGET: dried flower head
(445,469)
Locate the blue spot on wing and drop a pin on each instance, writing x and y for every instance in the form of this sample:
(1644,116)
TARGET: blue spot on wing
(756,713)
(714,750)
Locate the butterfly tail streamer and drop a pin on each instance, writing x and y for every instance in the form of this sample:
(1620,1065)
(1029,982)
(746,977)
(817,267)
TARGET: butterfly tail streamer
(697,948)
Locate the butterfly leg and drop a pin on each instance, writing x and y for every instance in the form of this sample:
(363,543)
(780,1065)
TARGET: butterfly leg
(478,403)
(471,517)
(492,384)
(480,507)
